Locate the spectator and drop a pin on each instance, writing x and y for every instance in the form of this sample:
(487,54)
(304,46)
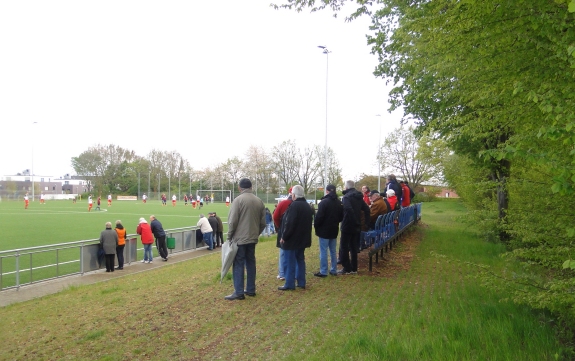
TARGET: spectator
(354,209)
(366,195)
(378,208)
(207,231)
(145,232)
(277,217)
(393,184)
(296,237)
(213,226)
(109,242)
(121,231)
(160,236)
(405,194)
(392,201)
(246,221)
(220,232)
(269,222)
(326,223)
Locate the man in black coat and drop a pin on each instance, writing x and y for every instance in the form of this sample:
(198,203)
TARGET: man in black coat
(329,215)
(160,236)
(354,208)
(296,237)
(214,224)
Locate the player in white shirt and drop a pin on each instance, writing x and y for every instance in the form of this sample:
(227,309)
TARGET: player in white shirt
(26,201)
(174,200)
(227,201)
(41,198)
(109,200)
(144,197)
(90,203)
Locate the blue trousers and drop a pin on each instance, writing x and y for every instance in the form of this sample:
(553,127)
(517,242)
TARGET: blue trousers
(295,270)
(245,259)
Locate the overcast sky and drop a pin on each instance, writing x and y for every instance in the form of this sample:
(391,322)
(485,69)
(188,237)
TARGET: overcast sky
(202,79)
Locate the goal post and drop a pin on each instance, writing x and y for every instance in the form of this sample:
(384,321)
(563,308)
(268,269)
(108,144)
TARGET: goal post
(217,195)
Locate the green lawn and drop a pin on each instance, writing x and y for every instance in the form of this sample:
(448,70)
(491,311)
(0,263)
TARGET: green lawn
(429,309)
(64,221)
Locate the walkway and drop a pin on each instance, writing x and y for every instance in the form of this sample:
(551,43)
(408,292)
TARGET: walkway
(29,292)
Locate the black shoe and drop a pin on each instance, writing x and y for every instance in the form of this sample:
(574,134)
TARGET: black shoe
(333,274)
(319,274)
(119,268)
(233,297)
(342,272)
(165,260)
(302,287)
(251,294)
(284,288)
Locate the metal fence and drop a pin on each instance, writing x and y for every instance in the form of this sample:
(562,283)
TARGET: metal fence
(25,266)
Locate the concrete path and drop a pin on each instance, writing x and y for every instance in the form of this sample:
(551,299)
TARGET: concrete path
(41,289)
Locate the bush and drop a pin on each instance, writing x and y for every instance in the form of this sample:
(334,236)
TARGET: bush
(424,197)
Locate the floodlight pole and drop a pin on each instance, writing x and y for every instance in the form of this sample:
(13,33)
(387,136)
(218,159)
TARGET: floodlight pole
(379,160)
(326,52)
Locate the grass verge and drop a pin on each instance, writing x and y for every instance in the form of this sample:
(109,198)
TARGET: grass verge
(418,307)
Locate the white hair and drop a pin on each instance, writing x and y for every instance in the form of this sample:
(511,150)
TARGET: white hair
(349,184)
(297,191)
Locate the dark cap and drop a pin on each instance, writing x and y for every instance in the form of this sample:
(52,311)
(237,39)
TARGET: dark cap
(330,187)
(373,192)
(245,183)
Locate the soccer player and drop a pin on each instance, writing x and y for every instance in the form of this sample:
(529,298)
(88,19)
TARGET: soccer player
(26,201)
(163,199)
(109,200)
(144,197)
(90,203)
(193,202)
(41,198)
(185,199)
(98,202)
(227,201)
(174,200)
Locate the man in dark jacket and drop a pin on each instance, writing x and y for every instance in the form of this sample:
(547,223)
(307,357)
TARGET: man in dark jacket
(160,236)
(220,233)
(392,183)
(296,237)
(329,214)
(214,224)
(354,208)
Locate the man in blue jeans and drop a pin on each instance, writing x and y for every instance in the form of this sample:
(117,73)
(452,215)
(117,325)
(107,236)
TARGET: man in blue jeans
(326,224)
(246,221)
(296,237)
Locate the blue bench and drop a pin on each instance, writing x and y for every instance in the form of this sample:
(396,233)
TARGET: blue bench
(388,229)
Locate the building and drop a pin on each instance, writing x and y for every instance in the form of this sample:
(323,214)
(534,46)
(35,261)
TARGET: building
(17,185)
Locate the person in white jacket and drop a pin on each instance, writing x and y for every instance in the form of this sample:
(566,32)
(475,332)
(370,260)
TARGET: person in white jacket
(207,231)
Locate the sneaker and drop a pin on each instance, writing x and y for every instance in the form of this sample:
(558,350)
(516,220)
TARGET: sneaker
(149,261)
(319,274)
(144,261)
(352,273)
(342,272)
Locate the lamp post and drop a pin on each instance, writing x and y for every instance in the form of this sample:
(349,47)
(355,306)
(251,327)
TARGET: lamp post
(326,52)
(33,141)
(379,160)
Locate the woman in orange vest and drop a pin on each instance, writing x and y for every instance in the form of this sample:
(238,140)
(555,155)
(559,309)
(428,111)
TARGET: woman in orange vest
(121,244)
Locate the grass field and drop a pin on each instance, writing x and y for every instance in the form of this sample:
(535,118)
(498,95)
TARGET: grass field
(64,221)
(419,307)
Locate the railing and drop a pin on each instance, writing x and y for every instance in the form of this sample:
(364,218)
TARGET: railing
(388,229)
(25,266)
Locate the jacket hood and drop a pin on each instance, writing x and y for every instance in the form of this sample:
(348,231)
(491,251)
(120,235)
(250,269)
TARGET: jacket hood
(119,226)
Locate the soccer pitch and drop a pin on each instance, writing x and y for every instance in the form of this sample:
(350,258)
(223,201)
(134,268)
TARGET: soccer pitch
(64,221)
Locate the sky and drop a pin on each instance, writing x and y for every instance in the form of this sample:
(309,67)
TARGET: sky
(205,79)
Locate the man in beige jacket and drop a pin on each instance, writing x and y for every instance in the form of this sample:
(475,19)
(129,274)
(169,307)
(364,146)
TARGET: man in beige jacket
(246,221)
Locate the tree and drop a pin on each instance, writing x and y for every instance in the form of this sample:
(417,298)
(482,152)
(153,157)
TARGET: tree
(416,160)
(309,168)
(286,162)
